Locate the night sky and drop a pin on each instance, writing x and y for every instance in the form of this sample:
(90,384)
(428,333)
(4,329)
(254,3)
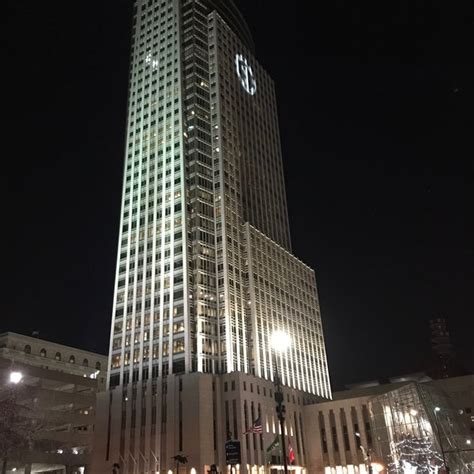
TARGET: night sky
(376,107)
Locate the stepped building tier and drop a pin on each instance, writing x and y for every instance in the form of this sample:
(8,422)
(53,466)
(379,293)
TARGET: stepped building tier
(205,272)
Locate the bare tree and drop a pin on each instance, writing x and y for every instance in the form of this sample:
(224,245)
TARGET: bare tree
(17,425)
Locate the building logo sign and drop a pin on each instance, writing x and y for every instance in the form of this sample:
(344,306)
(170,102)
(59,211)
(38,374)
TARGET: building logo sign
(245,73)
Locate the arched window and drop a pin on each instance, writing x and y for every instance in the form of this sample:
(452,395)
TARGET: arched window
(98,366)
(27,349)
(72,360)
(58,356)
(85,363)
(43,352)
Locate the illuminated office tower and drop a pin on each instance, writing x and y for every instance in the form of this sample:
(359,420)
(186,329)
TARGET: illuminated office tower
(205,272)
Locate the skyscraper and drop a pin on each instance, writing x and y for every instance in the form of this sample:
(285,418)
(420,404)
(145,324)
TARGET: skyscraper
(205,272)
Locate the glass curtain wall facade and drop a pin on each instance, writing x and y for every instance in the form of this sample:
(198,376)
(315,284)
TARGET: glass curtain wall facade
(203,182)
(417,428)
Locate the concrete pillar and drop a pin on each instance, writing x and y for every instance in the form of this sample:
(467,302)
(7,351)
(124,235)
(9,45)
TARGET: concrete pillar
(329,440)
(352,437)
(340,437)
(361,423)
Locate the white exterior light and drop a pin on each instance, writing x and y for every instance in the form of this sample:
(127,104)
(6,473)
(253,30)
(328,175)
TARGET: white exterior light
(377,467)
(280,341)
(437,409)
(16,377)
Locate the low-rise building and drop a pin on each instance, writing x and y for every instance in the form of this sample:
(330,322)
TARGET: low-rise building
(194,415)
(50,390)
(396,427)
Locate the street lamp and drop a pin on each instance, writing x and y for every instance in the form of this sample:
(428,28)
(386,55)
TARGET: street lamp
(16,377)
(280,342)
(440,441)
(377,467)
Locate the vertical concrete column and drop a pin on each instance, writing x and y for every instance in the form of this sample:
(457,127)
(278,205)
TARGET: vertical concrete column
(137,449)
(171,433)
(127,449)
(328,430)
(314,450)
(351,434)
(147,442)
(340,437)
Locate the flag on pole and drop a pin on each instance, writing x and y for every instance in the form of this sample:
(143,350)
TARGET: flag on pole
(256,427)
(291,453)
(275,444)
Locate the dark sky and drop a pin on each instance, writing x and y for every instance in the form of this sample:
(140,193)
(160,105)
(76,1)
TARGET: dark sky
(376,112)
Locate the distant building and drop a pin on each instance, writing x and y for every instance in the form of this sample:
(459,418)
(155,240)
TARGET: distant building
(56,389)
(389,423)
(444,362)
